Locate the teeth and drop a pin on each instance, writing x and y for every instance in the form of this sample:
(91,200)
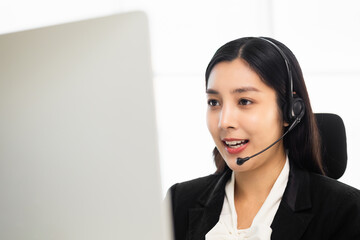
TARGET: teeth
(235,144)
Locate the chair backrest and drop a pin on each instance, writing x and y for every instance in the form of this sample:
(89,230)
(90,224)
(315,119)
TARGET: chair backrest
(333,136)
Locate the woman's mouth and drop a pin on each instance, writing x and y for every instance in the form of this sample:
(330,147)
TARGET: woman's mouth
(233,146)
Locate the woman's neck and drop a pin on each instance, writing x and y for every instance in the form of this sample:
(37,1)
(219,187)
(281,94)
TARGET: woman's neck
(255,185)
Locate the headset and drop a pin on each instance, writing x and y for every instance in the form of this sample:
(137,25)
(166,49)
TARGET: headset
(295,107)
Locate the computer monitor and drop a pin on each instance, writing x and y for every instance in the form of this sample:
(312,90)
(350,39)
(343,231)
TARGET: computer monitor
(78,146)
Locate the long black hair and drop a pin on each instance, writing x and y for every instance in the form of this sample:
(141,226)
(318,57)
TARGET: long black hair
(303,142)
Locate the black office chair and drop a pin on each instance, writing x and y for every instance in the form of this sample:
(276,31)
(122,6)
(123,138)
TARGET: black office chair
(333,136)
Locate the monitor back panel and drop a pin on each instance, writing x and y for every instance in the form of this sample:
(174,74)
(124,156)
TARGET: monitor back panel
(78,147)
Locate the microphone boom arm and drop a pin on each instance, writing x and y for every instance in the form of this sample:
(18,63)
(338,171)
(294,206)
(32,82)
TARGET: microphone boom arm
(241,161)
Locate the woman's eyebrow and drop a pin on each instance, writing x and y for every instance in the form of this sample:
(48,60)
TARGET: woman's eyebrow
(238,90)
(245,89)
(211,91)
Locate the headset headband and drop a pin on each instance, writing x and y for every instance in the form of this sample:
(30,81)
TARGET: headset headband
(295,107)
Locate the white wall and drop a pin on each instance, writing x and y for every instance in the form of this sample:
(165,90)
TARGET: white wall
(325,37)
(323,34)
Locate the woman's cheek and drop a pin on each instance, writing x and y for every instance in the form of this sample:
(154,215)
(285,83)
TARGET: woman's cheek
(254,122)
(211,121)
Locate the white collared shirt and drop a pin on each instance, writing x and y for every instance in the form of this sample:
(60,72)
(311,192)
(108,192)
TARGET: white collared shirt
(226,228)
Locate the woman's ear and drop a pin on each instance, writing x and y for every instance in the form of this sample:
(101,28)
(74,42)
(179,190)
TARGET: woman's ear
(286,124)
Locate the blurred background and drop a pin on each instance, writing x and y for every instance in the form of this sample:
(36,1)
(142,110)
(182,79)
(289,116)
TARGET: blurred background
(323,34)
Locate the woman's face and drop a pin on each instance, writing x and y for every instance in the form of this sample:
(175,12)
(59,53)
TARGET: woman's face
(243,116)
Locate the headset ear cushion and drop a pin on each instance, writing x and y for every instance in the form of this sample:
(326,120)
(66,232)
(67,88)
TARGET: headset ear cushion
(298,108)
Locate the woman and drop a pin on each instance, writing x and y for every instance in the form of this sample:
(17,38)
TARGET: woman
(267,185)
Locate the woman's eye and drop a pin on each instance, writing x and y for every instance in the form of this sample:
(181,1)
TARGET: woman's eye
(213,103)
(245,102)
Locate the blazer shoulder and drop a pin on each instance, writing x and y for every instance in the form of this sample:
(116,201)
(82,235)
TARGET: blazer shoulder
(333,187)
(191,190)
(188,200)
(341,207)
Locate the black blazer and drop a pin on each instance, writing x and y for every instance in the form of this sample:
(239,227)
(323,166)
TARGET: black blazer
(312,207)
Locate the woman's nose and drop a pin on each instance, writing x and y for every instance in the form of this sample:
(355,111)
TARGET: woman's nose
(228,118)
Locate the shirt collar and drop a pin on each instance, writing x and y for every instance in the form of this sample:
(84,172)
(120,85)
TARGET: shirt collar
(268,210)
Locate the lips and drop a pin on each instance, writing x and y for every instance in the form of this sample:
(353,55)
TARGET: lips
(235,146)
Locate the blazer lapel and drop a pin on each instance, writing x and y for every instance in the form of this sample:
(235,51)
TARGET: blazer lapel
(293,215)
(290,222)
(204,217)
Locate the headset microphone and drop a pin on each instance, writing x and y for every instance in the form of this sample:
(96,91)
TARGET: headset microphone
(241,161)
